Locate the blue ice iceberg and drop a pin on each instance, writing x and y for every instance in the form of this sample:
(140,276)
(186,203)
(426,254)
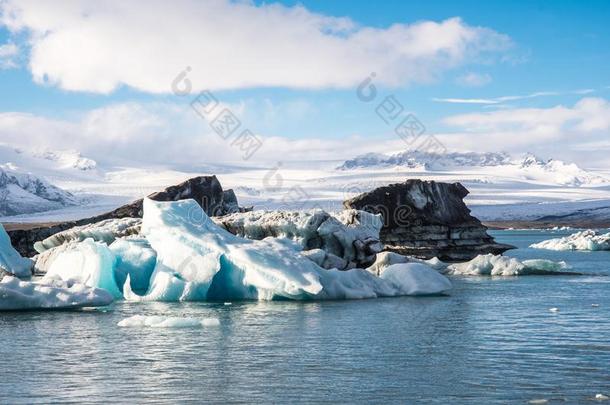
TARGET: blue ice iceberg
(198,260)
(182,255)
(88,262)
(10,260)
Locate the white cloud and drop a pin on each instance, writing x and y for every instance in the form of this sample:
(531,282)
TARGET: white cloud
(164,133)
(474,79)
(173,135)
(98,46)
(565,131)
(503,99)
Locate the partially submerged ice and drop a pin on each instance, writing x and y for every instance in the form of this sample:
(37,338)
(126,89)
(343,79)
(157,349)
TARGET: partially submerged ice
(588,240)
(11,261)
(198,260)
(182,255)
(495,265)
(16,294)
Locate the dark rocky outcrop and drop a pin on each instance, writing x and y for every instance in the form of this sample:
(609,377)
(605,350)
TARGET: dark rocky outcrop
(206,190)
(428,219)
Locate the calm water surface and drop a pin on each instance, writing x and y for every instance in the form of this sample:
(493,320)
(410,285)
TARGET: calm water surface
(490,341)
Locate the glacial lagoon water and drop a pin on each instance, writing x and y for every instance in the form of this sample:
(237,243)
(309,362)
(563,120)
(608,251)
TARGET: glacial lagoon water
(490,341)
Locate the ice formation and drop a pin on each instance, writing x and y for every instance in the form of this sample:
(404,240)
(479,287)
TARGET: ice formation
(53,294)
(416,279)
(88,262)
(157,321)
(584,240)
(495,265)
(182,255)
(348,239)
(198,260)
(10,260)
(136,260)
(387,259)
(104,231)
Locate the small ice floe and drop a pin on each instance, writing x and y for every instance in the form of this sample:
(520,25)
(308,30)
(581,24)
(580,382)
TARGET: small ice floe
(601,397)
(17,294)
(588,240)
(554,309)
(167,322)
(498,265)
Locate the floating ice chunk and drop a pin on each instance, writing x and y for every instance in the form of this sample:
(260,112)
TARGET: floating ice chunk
(495,265)
(601,397)
(584,240)
(167,322)
(352,284)
(416,279)
(10,260)
(16,294)
(193,253)
(104,231)
(87,262)
(136,259)
(386,259)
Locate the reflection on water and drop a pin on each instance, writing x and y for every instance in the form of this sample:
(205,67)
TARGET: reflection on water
(491,341)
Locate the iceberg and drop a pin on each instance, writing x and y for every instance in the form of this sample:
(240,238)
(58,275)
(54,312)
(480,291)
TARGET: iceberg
(198,260)
(588,240)
(88,262)
(11,261)
(193,253)
(16,294)
(496,265)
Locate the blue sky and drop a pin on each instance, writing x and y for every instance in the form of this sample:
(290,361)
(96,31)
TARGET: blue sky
(559,49)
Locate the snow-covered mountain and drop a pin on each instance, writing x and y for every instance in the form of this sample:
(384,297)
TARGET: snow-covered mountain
(500,185)
(427,160)
(23,193)
(568,174)
(66,159)
(528,167)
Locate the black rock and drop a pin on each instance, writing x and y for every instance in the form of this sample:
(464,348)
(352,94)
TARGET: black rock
(428,219)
